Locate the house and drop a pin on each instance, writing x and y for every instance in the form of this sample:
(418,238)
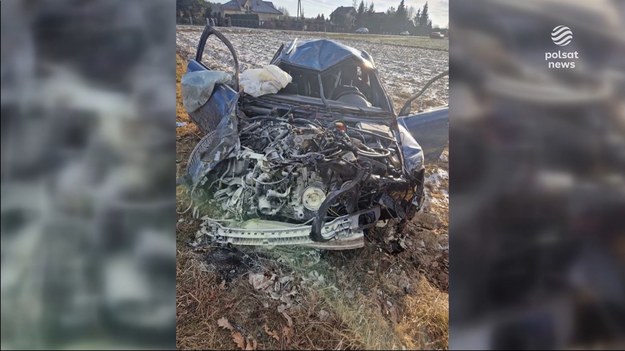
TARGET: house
(216,10)
(264,9)
(343,18)
(377,21)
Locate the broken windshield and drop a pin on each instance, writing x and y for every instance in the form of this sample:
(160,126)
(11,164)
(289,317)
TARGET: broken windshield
(348,83)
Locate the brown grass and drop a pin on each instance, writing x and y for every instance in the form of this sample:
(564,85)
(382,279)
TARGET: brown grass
(181,113)
(425,323)
(202,299)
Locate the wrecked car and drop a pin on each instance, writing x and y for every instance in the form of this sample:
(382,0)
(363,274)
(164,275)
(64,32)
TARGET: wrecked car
(316,162)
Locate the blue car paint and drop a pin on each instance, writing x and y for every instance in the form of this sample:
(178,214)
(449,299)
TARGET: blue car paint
(319,54)
(430,129)
(218,106)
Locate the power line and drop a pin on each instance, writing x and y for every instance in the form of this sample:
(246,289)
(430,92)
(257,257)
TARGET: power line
(319,3)
(299,9)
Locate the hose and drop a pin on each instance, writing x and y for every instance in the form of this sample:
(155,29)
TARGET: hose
(385,153)
(315,231)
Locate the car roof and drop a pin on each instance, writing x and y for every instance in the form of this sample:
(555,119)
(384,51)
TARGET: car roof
(320,54)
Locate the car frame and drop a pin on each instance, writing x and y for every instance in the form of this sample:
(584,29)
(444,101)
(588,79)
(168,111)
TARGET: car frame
(314,63)
(437,35)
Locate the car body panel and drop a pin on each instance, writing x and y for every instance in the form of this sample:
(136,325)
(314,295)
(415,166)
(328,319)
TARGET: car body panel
(431,129)
(262,155)
(319,55)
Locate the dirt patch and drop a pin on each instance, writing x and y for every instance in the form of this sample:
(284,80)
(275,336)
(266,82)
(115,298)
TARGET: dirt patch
(230,263)
(258,314)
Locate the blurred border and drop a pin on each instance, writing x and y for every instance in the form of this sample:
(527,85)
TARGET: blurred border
(537,168)
(88,190)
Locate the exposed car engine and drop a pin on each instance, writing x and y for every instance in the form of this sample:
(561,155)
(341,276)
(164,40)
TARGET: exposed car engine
(287,167)
(305,151)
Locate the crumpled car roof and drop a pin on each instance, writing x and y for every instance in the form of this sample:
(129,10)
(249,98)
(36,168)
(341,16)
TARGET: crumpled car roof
(320,54)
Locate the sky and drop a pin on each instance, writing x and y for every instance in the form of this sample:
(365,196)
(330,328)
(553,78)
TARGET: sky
(439,9)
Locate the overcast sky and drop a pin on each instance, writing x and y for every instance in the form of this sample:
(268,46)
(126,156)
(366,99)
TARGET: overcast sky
(439,9)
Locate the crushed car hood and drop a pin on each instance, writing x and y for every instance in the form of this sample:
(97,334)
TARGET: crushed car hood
(319,54)
(324,169)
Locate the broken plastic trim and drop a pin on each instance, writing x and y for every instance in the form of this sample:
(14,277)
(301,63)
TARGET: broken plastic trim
(208,30)
(316,233)
(346,232)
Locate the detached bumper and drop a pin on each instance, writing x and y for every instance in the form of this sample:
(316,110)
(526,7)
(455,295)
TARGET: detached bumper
(347,232)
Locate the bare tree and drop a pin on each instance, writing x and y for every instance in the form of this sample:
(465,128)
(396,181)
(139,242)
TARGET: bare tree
(284,11)
(411,12)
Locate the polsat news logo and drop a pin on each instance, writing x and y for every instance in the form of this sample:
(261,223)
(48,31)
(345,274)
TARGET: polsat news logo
(561,36)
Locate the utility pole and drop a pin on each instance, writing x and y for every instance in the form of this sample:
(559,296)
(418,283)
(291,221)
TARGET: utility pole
(299,9)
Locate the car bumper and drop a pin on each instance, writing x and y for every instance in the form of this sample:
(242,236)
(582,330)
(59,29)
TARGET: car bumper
(347,231)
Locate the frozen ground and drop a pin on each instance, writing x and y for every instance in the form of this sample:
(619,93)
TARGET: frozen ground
(403,69)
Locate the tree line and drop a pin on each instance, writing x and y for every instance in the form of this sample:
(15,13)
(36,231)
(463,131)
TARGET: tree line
(393,21)
(194,11)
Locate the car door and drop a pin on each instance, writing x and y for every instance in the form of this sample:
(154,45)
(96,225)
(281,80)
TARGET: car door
(430,129)
(223,97)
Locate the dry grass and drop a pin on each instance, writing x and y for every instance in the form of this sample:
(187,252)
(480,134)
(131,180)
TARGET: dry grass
(195,307)
(364,289)
(425,323)
(355,298)
(202,299)
(373,331)
(181,113)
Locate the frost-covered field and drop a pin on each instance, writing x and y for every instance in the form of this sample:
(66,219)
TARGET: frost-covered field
(403,69)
